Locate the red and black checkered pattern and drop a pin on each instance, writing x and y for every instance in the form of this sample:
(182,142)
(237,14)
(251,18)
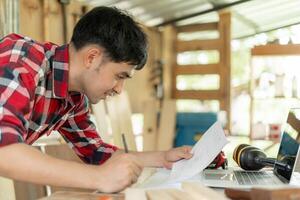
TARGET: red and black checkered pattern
(34,99)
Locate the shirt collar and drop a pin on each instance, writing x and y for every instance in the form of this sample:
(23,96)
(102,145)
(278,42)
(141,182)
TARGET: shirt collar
(60,65)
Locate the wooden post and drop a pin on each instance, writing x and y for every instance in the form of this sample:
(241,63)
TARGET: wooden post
(167,124)
(150,126)
(169,59)
(55,18)
(222,68)
(225,64)
(31,19)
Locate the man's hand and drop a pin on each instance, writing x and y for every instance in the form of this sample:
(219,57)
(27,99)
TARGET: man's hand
(173,155)
(119,172)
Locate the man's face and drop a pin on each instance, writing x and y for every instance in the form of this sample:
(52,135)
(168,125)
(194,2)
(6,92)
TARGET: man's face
(105,79)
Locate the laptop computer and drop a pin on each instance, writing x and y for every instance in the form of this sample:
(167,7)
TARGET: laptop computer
(288,153)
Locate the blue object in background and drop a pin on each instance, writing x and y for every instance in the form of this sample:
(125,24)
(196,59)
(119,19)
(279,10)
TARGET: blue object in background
(190,126)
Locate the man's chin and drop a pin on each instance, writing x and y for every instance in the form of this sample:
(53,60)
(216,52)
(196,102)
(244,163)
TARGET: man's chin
(95,101)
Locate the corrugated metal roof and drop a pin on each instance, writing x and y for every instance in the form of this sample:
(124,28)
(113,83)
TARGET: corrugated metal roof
(248,16)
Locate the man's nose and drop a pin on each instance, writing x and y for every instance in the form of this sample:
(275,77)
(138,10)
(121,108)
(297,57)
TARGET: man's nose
(119,87)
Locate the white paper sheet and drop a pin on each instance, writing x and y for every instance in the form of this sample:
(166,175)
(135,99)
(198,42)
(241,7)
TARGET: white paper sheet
(160,179)
(204,152)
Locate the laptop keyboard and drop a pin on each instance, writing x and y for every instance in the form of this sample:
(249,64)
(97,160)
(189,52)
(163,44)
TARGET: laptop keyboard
(255,178)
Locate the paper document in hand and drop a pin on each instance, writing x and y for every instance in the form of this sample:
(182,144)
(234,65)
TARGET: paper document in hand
(204,152)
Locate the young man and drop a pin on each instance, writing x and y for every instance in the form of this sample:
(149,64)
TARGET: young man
(45,87)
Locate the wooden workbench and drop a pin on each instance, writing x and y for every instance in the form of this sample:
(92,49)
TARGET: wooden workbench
(84,196)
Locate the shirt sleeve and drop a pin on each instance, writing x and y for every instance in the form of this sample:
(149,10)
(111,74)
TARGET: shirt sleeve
(80,133)
(15,95)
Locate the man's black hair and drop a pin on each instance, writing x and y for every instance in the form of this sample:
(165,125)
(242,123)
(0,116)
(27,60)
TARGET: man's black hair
(115,31)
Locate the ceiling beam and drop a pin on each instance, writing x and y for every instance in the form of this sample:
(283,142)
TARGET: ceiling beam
(215,8)
(265,31)
(245,20)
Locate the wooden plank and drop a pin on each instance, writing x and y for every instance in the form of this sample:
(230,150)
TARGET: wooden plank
(275,193)
(197,69)
(276,49)
(114,122)
(198,27)
(194,45)
(155,43)
(74,12)
(31,19)
(125,119)
(198,191)
(119,112)
(53,21)
(3,28)
(135,194)
(198,94)
(168,194)
(268,193)
(150,125)
(251,93)
(62,195)
(169,57)
(7,191)
(233,193)
(225,67)
(28,191)
(142,77)
(167,123)
(99,111)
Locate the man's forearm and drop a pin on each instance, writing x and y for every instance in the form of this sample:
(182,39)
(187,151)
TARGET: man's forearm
(149,159)
(152,159)
(162,158)
(22,162)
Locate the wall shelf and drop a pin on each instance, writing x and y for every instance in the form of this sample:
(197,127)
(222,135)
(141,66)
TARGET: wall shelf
(269,50)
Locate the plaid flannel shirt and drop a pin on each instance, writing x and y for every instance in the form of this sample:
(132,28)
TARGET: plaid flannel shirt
(34,99)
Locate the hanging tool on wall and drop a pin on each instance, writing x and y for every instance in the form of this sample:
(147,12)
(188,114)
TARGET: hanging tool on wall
(156,79)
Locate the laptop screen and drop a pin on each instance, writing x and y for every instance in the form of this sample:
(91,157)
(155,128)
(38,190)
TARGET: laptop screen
(288,149)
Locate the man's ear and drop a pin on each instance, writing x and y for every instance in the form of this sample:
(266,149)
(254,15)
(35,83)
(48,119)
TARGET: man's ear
(93,55)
